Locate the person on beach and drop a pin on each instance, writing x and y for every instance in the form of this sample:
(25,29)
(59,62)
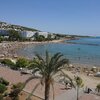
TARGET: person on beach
(89,90)
(66,85)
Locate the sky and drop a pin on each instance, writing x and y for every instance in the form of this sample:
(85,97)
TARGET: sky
(80,17)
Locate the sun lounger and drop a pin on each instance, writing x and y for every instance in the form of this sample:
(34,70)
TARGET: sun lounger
(25,71)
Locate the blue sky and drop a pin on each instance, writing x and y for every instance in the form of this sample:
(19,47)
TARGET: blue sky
(61,16)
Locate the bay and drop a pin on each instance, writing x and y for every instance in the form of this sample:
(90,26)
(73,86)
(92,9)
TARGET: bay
(83,50)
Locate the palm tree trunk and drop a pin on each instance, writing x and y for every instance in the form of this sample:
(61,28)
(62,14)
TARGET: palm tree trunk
(77,92)
(47,89)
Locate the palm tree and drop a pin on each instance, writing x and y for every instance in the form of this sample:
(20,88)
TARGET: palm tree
(79,84)
(47,67)
(98,87)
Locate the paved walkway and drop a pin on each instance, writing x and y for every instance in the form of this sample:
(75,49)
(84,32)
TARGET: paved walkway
(60,94)
(89,97)
(72,95)
(68,95)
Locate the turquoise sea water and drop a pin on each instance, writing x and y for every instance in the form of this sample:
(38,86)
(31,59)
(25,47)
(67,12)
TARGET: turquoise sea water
(84,50)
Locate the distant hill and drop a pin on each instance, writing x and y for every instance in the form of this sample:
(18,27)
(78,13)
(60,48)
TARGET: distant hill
(6,26)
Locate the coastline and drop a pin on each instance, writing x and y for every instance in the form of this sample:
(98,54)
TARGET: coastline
(8,49)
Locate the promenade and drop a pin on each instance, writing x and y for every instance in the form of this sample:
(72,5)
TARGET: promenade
(60,92)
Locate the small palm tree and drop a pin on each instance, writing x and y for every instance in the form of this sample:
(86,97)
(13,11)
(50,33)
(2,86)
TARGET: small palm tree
(79,84)
(98,87)
(47,67)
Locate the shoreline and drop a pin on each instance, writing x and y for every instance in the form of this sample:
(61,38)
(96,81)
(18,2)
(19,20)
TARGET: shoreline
(8,49)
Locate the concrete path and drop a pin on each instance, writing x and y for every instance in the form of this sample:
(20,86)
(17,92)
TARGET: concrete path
(69,95)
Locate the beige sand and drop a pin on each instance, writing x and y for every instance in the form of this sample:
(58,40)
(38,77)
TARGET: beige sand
(89,81)
(14,77)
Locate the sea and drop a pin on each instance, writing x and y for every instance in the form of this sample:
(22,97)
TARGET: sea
(82,51)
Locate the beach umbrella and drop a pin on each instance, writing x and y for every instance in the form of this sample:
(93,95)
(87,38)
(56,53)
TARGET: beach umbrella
(94,67)
(97,74)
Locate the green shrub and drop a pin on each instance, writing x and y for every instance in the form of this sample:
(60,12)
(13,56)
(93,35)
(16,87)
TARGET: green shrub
(18,85)
(6,94)
(3,81)
(14,93)
(2,88)
(14,67)
(21,63)
(16,89)
(7,62)
(1,97)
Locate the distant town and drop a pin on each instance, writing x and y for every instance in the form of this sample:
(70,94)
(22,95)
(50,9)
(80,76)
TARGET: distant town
(19,33)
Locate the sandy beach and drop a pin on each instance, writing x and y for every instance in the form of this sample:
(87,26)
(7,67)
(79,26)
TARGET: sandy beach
(8,50)
(89,81)
(14,77)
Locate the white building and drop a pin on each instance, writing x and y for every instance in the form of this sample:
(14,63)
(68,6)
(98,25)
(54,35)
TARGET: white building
(45,34)
(27,34)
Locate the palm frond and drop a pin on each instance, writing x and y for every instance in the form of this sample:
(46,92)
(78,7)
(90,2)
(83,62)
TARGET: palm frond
(55,58)
(40,58)
(42,80)
(47,57)
(67,76)
(29,96)
(28,80)
(37,66)
(59,65)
